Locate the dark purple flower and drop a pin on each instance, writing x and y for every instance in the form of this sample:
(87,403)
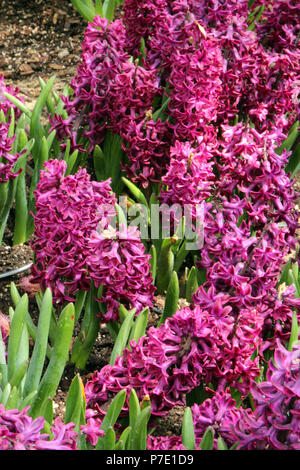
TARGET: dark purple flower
(18,431)
(7,159)
(68,210)
(118,262)
(276,420)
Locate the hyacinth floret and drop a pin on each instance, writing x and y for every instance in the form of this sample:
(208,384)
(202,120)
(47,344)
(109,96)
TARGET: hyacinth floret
(67,212)
(19,431)
(192,346)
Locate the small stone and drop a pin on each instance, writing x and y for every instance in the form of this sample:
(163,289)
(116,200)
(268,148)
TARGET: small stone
(25,69)
(56,66)
(63,53)
(3,61)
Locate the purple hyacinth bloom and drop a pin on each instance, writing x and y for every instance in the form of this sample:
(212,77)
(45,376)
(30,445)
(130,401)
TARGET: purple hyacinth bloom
(18,431)
(118,262)
(67,212)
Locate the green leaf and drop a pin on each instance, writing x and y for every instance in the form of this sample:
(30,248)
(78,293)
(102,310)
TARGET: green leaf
(19,104)
(136,192)
(123,313)
(159,113)
(89,331)
(113,155)
(98,7)
(48,413)
(79,303)
(40,347)
(27,401)
(120,216)
(85,8)
(207,441)
(188,433)
(221,444)
(108,441)
(12,401)
(134,408)
(19,374)
(72,161)
(153,262)
(75,403)
(138,436)
(291,138)
(113,411)
(36,129)
(23,352)
(6,394)
(15,334)
(21,209)
(108,9)
(49,102)
(50,381)
(122,337)
(294,162)
(234,446)
(172,297)
(295,330)
(165,266)
(192,284)
(11,129)
(3,365)
(120,445)
(139,326)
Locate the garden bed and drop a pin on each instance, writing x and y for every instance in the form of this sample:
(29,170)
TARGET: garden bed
(39,40)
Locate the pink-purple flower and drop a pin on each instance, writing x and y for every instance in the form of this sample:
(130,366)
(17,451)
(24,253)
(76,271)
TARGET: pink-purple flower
(18,431)
(67,212)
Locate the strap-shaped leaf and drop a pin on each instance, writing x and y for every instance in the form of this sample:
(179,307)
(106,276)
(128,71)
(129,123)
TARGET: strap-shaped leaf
(114,410)
(188,433)
(122,338)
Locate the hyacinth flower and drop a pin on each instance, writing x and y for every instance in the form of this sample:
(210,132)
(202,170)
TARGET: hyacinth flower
(82,250)
(275,423)
(5,104)
(83,247)
(191,347)
(8,160)
(194,64)
(272,424)
(20,432)
(155,443)
(118,262)
(205,426)
(14,148)
(61,248)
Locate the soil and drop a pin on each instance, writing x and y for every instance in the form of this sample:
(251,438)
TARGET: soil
(39,39)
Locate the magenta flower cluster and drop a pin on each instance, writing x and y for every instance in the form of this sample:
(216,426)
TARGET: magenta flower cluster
(201,103)
(118,263)
(5,103)
(74,243)
(18,431)
(275,424)
(7,159)
(189,177)
(250,228)
(66,215)
(193,346)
